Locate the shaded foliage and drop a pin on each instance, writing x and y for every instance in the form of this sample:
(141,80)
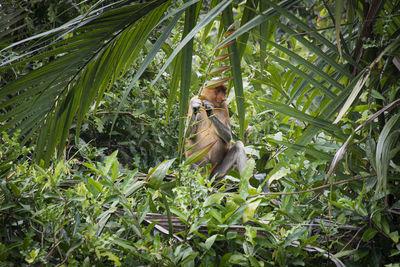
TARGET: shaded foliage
(320,91)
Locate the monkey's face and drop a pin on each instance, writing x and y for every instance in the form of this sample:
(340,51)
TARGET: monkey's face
(220,96)
(217,96)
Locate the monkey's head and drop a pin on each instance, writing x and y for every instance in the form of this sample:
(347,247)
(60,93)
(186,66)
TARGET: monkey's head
(217,95)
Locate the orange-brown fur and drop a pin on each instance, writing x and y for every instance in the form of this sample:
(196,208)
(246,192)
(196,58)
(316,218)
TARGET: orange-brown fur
(205,132)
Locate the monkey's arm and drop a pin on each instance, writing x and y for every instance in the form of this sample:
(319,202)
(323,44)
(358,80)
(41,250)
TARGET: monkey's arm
(223,130)
(195,104)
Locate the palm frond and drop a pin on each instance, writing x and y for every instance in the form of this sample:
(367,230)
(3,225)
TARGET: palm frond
(102,48)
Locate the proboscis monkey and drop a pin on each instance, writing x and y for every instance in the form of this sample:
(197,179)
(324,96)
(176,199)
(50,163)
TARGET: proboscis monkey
(210,124)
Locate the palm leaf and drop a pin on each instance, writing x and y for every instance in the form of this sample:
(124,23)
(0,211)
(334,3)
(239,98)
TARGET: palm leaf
(292,112)
(85,66)
(248,14)
(200,25)
(263,35)
(387,139)
(236,73)
(186,73)
(363,78)
(256,21)
(146,62)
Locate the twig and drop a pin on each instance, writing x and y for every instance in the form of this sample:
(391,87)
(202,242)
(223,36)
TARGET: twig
(393,211)
(351,240)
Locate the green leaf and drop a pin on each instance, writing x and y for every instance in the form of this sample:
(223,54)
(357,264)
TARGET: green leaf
(311,67)
(312,46)
(247,15)
(386,141)
(176,77)
(95,184)
(377,95)
(370,151)
(369,234)
(33,254)
(216,215)
(196,156)
(257,20)
(200,25)
(345,253)
(186,73)
(225,259)
(289,111)
(190,257)
(297,234)
(305,76)
(357,88)
(103,46)
(210,241)
(157,174)
(278,175)
(132,187)
(149,228)
(263,35)
(394,236)
(58,170)
(212,199)
(112,257)
(254,262)
(245,176)
(122,243)
(91,167)
(146,62)
(308,150)
(295,20)
(234,58)
(235,217)
(339,154)
(250,210)
(363,76)
(110,161)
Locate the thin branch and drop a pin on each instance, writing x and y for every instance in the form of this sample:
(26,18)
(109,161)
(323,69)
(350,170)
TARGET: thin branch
(393,211)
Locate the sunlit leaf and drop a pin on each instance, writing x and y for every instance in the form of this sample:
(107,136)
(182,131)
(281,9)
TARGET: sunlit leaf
(387,139)
(250,210)
(219,70)
(196,156)
(222,57)
(96,185)
(157,174)
(228,21)
(210,241)
(216,82)
(200,25)
(212,199)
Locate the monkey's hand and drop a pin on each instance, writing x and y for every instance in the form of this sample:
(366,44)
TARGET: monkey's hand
(195,105)
(209,107)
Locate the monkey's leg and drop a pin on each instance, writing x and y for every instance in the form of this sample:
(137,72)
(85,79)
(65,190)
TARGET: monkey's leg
(236,155)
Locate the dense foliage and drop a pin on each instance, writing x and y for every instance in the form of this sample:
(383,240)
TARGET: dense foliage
(93,105)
